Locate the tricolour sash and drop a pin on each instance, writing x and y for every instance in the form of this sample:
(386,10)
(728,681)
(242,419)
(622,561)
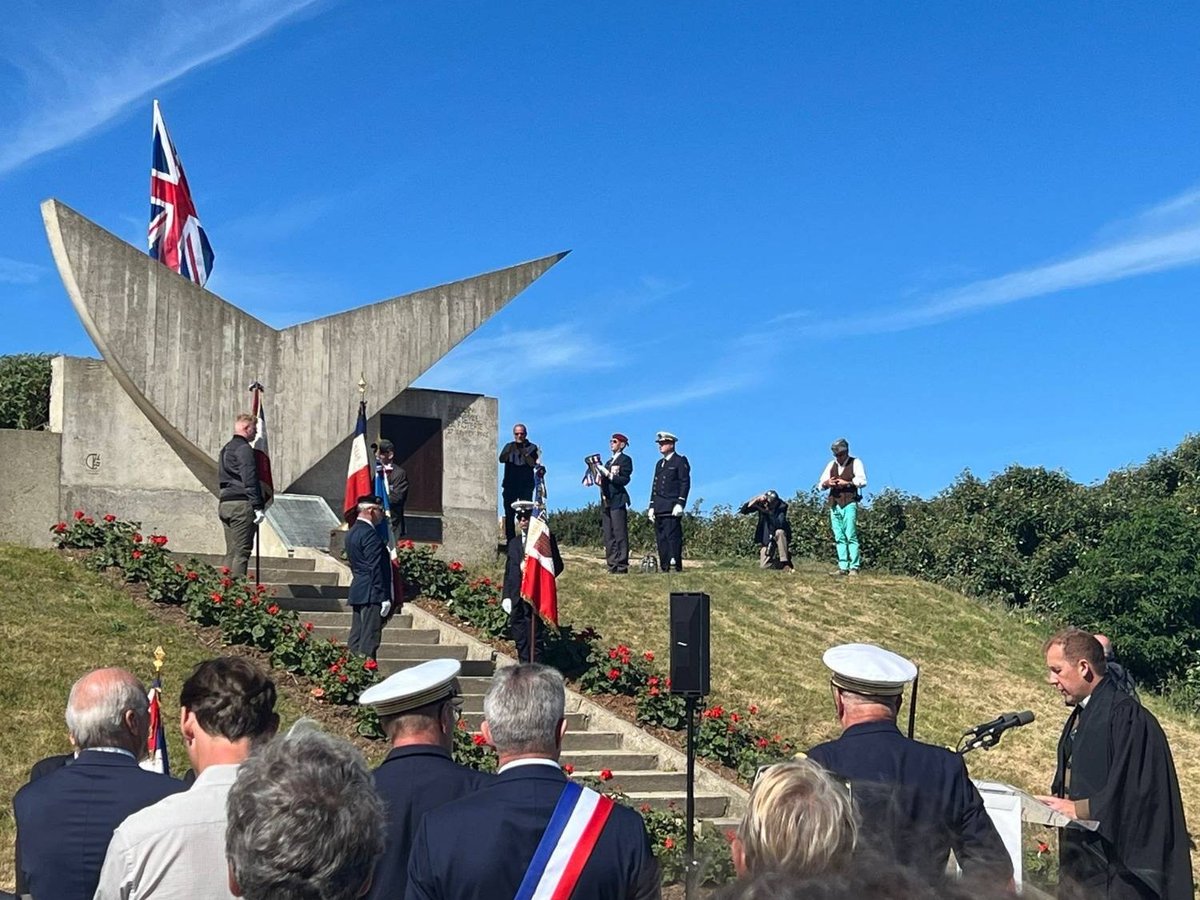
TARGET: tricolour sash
(566,844)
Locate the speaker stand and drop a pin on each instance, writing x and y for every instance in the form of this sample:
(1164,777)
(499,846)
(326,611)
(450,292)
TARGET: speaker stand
(692,871)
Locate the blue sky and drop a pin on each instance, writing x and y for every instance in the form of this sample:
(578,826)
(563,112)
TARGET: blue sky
(961,235)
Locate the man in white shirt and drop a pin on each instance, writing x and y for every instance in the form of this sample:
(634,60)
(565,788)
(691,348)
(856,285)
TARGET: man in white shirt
(844,477)
(176,848)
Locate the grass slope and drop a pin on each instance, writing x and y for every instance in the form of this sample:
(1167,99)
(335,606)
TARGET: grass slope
(769,630)
(57,620)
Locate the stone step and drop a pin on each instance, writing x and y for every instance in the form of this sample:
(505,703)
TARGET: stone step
(623,760)
(482,667)
(278,577)
(419,651)
(341,619)
(723,824)
(393,634)
(708,805)
(644,781)
(216,560)
(310,596)
(592,740)
(576,722)
(474,685)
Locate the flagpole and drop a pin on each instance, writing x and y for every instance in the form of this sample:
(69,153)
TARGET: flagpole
(254,391)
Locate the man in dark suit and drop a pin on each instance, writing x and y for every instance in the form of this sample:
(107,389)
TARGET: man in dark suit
(668,497)
(66,819)
(397,486)
(502,825)
(916,801)
(371,568)
(773,531)
(614,505)
(419,710)
(522,463)
(240,504)
(522,616)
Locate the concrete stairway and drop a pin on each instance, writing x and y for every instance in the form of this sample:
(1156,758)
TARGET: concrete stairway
(641,774)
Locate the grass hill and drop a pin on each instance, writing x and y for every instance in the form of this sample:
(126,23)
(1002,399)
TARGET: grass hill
(769,631)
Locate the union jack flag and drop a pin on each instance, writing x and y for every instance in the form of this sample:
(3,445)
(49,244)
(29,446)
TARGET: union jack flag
(177,239)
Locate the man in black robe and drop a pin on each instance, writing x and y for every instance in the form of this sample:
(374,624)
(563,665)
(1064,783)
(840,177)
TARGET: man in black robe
(1114,768)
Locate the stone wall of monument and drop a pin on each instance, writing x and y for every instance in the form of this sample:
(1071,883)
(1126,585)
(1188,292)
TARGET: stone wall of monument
(115,461)
(29,500)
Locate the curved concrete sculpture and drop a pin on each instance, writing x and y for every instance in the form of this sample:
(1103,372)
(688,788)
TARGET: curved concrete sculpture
(185,356)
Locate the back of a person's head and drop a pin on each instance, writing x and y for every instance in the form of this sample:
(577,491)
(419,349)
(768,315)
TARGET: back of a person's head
(799,820)
(305,822)
(98,708)
(523,708)
(231,697)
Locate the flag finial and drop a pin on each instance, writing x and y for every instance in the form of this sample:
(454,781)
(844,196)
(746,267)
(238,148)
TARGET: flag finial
(159,656)
(362,386)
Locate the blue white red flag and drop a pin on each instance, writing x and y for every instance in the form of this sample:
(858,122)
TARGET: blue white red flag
(156,743)
(262,453)
(538,583)
(566,845)
(381,491)
(177,239)
(358,473)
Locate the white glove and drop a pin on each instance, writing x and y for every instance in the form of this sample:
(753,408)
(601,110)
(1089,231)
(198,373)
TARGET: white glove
(678,510)
(650,514)
(259,515)
(506,605)
(386,609)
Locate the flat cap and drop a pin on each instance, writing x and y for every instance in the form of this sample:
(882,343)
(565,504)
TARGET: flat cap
(839,444)
(665,437)
(867,669)
(413,688)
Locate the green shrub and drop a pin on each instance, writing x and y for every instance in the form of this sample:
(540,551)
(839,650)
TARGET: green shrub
(25,390)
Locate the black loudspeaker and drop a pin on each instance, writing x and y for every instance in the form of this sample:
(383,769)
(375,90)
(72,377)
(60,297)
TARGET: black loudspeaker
(689,644)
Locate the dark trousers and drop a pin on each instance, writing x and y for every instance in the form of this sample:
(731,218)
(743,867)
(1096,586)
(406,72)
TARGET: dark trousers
(615,523)
(366,629)
(238,518)
(399,527)
(668,534)
(509,495)
(526,630)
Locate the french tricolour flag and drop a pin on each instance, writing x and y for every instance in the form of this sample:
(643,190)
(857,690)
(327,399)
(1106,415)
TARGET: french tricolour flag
(538,585)
(358,473)
(156,744)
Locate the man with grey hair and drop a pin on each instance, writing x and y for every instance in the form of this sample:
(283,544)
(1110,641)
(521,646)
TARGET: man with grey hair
(305,821)
(65,820)
(531,827)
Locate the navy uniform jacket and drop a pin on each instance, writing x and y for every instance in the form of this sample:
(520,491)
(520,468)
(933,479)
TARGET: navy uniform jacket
(613,492)
(413,780)
(672,481)
(370,565)
(478,848)
(917,802)
(66,820)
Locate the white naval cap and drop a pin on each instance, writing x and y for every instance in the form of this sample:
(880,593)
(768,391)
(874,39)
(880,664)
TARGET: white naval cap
(523,507)
(412,688)
(867,669)
(664,436)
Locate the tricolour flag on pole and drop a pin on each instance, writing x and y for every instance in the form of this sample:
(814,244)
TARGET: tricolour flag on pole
(538,584)
(358,473)
(177,240)
(262,454)
(156,743)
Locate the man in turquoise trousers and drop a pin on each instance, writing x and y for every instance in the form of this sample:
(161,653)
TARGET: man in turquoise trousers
(844,477)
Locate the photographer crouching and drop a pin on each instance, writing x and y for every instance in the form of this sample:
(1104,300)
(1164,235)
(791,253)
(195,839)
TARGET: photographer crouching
(773,531)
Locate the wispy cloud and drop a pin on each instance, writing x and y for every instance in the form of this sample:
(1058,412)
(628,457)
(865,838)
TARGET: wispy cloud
(81,71)
(1164,237)
(13,271)
(516,357)
(699,389)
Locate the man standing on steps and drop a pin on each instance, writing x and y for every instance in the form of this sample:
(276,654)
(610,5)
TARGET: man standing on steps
(844,478)
(522,462)
(668,497)
(371,571)
(531,832)
(240,502)
(397,486)
(419,709)
(916,801)
(614,505)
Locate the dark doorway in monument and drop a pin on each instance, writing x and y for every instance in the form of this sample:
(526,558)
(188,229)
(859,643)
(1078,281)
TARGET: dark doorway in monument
(418,441)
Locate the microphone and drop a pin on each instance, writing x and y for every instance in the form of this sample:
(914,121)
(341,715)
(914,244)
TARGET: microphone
(987,735)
